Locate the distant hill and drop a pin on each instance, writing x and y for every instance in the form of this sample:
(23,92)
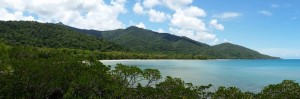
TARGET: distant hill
(29,33)
(232,51)
(132,39)
(142,40)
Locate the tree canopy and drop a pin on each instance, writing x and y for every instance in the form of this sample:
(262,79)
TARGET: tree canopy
(31,72)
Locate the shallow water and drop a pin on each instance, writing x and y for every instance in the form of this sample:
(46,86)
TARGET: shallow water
(248,75)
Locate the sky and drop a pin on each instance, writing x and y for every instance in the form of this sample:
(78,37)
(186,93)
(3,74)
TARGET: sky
(271,27)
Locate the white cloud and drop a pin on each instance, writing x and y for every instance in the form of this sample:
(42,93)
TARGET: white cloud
(177,4)
(193,11)
(138,9)
(157,16)
(186,22)
(160,30)
(16,4)
(183,20)
(266,13)
(214,23)
(97,14)
(281,52)
(92,14)
(141,25)
(17,15)
(216,41)
(195,35)
(274,5)
(172,4)
(151,3)
(227,15)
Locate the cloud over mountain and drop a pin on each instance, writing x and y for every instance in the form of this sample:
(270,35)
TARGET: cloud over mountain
(181,16)
(91,14)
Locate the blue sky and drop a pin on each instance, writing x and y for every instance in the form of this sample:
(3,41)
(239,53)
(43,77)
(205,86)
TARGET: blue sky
(269,26)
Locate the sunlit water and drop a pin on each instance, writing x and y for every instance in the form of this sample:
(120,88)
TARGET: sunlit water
(248,75)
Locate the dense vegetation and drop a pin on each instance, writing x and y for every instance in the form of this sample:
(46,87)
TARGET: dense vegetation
(141,40)
(29,33)
(231,51)
(147,41)
(31,72)
(130,43)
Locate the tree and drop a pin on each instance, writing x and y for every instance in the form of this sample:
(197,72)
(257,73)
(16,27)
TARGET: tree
(287,89)
(231,93)
(5,67)
(152,75)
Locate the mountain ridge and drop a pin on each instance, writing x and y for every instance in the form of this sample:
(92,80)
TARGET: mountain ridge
(31,33)
(125,41)
(128,38)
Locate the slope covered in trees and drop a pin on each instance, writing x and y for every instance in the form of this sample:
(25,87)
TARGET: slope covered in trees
(129,42)
(141,40)
(228,50)
(29,33)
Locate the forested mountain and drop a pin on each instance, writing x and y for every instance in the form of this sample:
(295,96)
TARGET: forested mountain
(141,40)
(133,39)
(29,33)
(228,50)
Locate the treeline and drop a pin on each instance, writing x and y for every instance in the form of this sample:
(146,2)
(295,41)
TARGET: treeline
(147,41)
(133,42)
(49,35)
(29,72)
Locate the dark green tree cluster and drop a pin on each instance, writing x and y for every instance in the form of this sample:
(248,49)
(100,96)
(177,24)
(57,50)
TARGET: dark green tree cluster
(147,41)
(141,40)
(139,55)
(30,72)
(130,43)
(287,89)
(29,33)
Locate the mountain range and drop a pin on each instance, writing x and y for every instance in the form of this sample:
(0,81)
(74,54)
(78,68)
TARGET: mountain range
(142,40)
(131,39)
(30,33)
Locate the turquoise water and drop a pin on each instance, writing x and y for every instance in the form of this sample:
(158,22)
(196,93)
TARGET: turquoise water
(248,75)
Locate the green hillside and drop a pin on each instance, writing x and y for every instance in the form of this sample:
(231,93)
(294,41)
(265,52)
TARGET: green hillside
(141,40)
(29,33)
(232,51)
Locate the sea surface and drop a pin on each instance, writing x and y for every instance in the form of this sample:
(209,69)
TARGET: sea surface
(248,75)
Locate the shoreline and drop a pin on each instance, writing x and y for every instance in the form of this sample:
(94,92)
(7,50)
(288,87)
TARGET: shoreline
(187,59)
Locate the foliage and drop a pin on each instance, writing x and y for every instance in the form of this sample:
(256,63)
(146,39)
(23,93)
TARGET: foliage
(146,41)
(29,33)
(5,67)
(231,93)
(288,89)
(227,50)
(67,73)
(152,75)
(176,88)
(130,43)
(30,72)
(140,40)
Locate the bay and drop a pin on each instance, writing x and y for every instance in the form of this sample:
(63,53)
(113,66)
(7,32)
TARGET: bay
(248,75)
